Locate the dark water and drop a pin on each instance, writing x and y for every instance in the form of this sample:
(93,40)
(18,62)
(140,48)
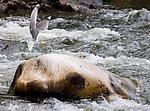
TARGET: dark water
(116,40)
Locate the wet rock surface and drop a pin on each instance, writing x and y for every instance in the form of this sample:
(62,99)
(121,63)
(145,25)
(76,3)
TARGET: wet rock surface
(48,5)
(69,5)
(67,77)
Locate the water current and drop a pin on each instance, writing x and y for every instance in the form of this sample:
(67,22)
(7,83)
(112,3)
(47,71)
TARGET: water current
(115,40)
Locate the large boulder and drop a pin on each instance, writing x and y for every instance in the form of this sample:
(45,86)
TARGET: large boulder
(67,77)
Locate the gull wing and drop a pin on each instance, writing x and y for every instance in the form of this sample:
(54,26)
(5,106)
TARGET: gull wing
(33,30)
(33,18)
(44,24)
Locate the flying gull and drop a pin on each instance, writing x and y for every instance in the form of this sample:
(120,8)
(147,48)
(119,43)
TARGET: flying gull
(36,28)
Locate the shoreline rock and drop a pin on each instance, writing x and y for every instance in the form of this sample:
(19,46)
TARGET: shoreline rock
(70,5)
(47,5)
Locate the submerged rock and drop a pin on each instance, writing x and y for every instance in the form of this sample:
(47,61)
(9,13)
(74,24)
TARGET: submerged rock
(62,76)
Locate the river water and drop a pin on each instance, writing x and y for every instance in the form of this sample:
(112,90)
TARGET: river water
(115,40)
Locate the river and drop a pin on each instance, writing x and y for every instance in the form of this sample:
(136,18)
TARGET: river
(115,40)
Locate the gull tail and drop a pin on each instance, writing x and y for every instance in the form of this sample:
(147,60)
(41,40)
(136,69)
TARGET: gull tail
(31,44)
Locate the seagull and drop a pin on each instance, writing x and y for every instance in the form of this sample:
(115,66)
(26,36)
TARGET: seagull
(36,28)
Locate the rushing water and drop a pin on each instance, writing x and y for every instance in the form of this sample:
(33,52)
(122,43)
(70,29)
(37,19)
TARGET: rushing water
(116,40)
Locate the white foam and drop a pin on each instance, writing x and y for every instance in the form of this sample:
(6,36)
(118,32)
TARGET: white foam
(52,104)
(113,14)
(89,35)
(58,20)
(14,31)
(142,14)
(125,104)
(131,14)
(110,61)
(13,107)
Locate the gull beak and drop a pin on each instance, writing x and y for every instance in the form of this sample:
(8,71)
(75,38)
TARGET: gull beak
(37,6)
(49,18)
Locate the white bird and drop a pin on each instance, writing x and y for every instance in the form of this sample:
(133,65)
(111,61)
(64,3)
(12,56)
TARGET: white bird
(35,28)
